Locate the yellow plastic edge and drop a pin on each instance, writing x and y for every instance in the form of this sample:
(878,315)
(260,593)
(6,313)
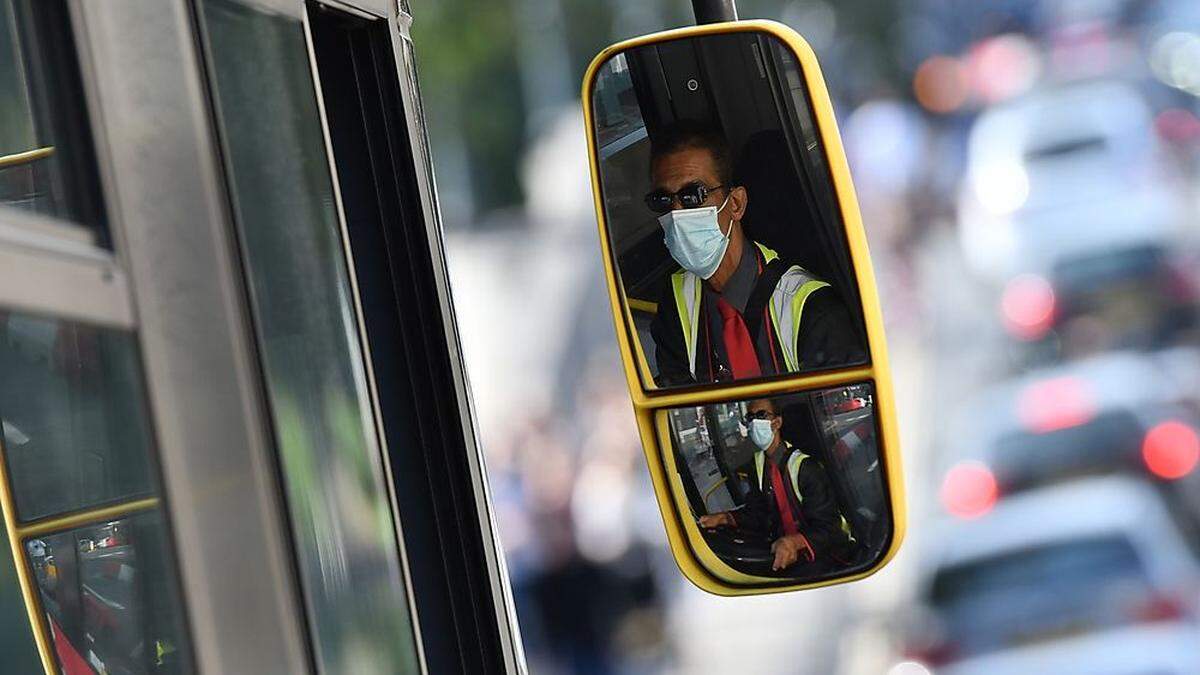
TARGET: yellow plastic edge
(683,545)
(37,619)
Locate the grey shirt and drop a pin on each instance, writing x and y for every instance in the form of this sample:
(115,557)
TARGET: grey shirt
(739,286)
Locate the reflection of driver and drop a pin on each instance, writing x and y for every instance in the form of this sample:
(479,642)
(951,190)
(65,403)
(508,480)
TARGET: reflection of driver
(707,332)
(790,503)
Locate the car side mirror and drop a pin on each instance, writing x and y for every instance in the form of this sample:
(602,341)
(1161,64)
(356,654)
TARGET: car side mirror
(745,307)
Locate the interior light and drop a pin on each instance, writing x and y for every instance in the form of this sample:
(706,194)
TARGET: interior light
(1027,307)
(969,490)
(1171,450)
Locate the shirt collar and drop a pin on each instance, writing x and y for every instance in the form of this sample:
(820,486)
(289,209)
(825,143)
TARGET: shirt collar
(739,286)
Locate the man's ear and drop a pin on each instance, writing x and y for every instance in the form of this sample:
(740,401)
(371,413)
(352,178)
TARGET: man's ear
(738,199)
(777,423)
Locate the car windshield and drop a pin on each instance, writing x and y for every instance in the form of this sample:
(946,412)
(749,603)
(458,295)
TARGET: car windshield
(1039,593)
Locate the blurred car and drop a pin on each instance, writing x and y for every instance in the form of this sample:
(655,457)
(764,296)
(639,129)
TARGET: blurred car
(1088,577)
(1116,413)
(1072,205)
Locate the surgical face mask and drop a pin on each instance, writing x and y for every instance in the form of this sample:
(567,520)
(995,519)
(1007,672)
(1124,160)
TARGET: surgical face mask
(761,433)
(694,238)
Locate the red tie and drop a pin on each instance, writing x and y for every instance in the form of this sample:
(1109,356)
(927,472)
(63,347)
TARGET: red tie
(781,501)
(743,361)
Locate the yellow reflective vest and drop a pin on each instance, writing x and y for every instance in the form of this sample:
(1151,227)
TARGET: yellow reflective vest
(794,461)
(786,307)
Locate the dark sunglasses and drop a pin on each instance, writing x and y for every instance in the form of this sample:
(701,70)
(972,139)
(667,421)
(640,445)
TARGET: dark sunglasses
(759,415)
(690,196)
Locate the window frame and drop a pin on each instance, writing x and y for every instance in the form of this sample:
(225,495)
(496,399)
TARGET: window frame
(173,278)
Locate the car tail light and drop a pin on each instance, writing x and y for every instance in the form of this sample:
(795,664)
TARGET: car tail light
(969,490)
(1171,450)
(1181,284)
(1055,404)
(1028,307)
(1158,608)
(929,657)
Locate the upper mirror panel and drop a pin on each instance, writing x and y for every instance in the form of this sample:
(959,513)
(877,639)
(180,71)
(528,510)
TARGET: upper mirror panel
(721,214)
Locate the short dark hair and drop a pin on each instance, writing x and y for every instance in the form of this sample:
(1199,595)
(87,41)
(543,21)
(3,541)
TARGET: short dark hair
(686,136)
(765,399)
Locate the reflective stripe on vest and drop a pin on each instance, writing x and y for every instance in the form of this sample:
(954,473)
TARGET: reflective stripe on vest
(793,464)
(786,307)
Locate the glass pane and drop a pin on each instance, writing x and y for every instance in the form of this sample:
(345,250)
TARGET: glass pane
(16,638)
(76,431)
(790,488)
(110,596)
(46,158)
(282,190)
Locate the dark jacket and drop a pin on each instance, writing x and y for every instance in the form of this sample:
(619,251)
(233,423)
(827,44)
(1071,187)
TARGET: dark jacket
(827,338)
(815,508)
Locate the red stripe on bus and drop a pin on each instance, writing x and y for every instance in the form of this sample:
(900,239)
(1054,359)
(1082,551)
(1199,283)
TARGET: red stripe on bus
(72,663)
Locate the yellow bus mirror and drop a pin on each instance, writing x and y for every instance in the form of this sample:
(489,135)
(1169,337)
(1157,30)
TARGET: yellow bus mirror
(745,307)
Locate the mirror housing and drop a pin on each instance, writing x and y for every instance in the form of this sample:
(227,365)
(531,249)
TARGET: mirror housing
(695,430)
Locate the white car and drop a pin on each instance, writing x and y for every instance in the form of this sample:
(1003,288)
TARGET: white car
(1065,172)
(1085,577)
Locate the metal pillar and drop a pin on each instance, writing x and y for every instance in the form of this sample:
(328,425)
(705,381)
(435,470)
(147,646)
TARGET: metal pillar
(714,11)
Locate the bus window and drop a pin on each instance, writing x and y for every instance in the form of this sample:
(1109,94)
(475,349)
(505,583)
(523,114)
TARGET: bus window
(108,597)
(76,431)
(285,207)
(47,163)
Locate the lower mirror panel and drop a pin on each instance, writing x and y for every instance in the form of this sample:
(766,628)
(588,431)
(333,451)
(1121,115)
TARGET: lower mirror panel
(784,490)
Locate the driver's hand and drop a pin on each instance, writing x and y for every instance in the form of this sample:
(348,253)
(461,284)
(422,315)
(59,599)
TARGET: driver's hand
(718,519)
(789,548)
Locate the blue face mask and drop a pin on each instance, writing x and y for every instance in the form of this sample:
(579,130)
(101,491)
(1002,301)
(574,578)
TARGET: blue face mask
(761,433)
(694,238)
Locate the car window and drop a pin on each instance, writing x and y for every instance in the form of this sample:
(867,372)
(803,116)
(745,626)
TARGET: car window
(1031,594)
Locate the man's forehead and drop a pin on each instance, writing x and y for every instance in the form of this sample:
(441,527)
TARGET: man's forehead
(761,404)
(676,169)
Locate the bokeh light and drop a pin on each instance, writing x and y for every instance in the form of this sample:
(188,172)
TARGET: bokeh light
(1027,307)
(969,490)
(1055,404)
(940,84)
(1171,450)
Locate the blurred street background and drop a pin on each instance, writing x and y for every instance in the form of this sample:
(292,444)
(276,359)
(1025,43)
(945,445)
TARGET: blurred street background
(1027,172)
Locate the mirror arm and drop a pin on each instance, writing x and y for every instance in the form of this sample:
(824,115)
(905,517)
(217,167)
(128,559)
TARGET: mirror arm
(714,11)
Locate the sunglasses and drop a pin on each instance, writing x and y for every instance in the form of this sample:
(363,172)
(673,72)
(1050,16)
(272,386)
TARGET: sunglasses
(690,196)
(759,415)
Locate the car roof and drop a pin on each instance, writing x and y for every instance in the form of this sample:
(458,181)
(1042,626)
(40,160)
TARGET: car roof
(1084,509)
(1107,108)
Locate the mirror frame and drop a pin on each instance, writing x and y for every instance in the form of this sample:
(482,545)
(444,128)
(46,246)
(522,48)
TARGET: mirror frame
(692,554)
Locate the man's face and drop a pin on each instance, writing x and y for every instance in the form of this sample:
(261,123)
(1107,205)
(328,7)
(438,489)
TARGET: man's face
(683,167)
(763,406)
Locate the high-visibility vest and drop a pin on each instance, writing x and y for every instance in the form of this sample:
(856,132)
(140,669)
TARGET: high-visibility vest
(794,461)
(786,307)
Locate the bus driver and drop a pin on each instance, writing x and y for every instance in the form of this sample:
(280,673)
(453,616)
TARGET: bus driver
(707,328)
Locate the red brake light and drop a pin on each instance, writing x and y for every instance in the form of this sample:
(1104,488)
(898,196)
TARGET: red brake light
(969,490)
(1028,307)
(1171,450)
(1158,608)
(1060,403)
